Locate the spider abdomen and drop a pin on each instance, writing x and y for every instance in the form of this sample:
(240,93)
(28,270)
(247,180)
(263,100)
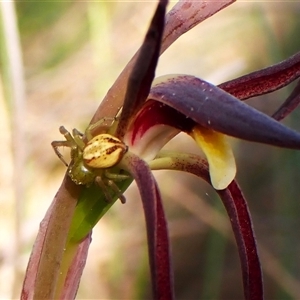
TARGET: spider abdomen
(103,151)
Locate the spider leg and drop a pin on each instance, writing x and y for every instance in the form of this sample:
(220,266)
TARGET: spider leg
(69,142)
(66,134)
(115,188)
(77,132)
(109,183)
(114,176)
(55,145)
(77,137)
(104,188)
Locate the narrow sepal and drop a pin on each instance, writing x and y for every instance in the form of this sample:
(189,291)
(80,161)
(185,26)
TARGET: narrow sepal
(264,81)
(44,278)
(143,72)
(156,225)
(186,14)
(180,19)
(289,104)
(238,213)
(213,108)
(35,256)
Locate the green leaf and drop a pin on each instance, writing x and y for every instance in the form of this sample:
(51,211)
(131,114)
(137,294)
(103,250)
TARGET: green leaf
(91,207)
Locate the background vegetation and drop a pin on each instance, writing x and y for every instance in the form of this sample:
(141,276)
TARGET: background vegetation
(72,53)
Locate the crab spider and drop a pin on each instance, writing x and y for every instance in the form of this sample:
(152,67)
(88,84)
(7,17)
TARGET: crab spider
(91,160)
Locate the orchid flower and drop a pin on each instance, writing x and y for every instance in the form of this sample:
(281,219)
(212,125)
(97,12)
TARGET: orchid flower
(145,113)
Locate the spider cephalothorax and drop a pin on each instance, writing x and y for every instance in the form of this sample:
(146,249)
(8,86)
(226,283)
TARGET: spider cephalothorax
(91,160)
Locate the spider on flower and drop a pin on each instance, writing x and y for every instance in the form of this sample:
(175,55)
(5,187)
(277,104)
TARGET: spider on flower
(93,156)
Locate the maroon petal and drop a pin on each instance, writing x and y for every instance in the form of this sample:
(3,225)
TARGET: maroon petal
(33,264)
(238,213)
(157,231)
(186,14)
(46,259)
(289,104)
(143,72)
(213,108)
(181,18)
(74,272)
(264,81)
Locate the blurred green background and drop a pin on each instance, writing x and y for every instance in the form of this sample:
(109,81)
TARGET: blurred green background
(72,53)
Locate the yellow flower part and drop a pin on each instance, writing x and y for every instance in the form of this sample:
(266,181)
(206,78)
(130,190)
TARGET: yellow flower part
(219,155)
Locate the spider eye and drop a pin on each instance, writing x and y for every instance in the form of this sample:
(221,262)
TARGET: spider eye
(104,151)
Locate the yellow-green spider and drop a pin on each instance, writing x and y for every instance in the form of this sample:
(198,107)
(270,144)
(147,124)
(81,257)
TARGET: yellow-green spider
(92,156)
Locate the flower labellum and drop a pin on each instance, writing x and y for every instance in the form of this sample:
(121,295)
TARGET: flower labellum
(222,167)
